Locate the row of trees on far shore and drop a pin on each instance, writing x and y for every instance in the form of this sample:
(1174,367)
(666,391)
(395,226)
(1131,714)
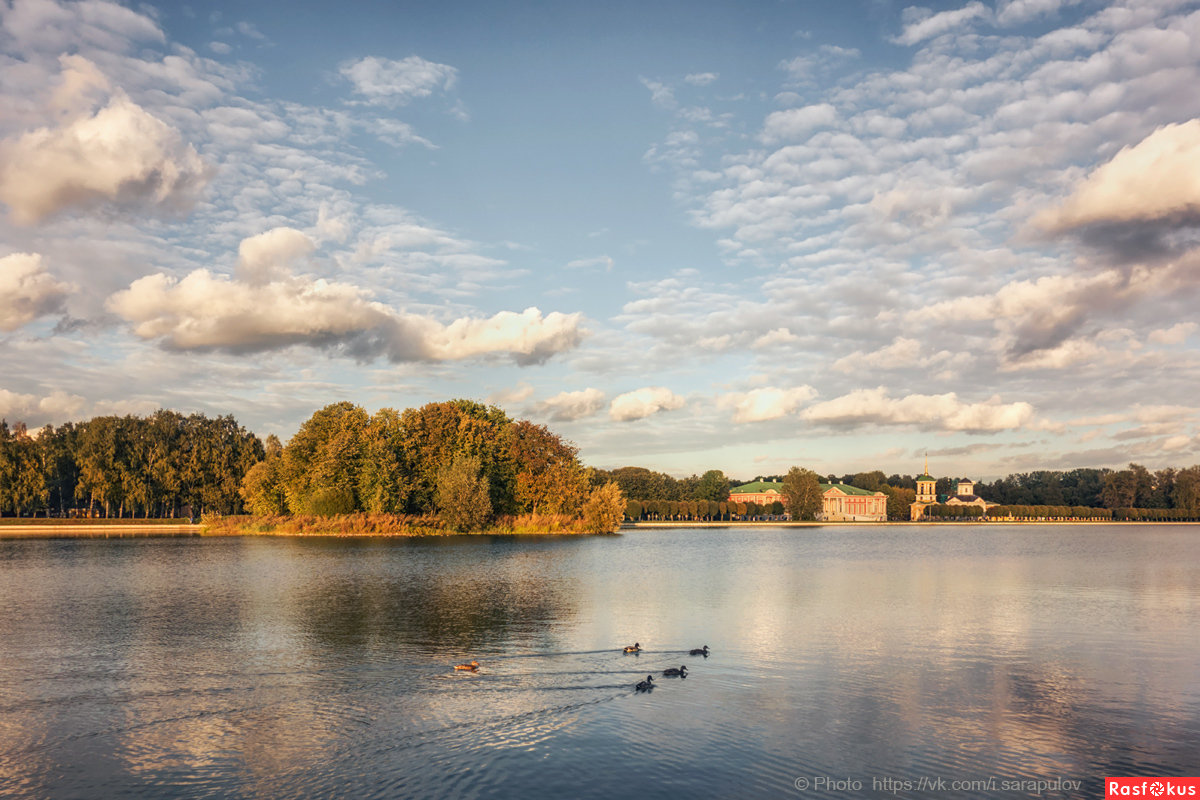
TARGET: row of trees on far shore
(162,465)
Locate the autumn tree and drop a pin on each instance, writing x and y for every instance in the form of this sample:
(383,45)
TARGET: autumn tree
(604,509)
(549,478)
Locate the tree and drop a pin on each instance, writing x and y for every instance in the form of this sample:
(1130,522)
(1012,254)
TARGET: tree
(802,493)
(899,501)
(324,459)
(871,481)
(713,485)
(549,478)
(462,496)
(604,509)
(1120,489)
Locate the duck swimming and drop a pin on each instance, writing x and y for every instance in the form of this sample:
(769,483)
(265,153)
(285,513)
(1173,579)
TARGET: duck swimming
(646,685)
(633,648)
(700,651)
(671,671)
(473,666)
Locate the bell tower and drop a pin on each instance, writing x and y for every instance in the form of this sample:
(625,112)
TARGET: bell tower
(926,485)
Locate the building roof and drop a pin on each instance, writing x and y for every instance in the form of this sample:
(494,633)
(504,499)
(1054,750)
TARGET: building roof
(847,489)
(926,477)
(758,487)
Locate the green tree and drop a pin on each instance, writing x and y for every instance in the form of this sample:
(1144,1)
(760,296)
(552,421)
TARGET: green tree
(871,481)
(323,461)
(713,485)
(1187,490)
(899,501)
(462,495)
(1120,489)
(802,493)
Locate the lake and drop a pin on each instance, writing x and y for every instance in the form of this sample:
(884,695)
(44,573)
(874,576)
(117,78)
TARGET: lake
(844,661)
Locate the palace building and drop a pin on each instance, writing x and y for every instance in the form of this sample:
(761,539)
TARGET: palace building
(839,502)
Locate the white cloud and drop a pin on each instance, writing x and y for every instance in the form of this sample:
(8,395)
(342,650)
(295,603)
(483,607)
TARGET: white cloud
(901,353)
(27,290)
(604,262)
(643,403)
(775,337)
(119,154)
(796,124)
(1154,179)
(700,78)
(387,82)
(1176,334)
(1016,12)
(276,309)
(767,403)
(34,411)
(660,94)
(931,412)
(921,24)
(570,406)
(270,256)
(511,396)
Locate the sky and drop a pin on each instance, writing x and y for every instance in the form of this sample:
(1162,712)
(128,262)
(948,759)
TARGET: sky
(685,236)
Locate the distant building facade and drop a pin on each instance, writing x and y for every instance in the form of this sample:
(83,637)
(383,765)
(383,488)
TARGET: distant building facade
(839,502)
(762,492)
(842,503)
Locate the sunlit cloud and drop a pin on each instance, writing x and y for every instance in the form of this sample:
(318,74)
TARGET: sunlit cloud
(118,154)
(766,403)
(643,403)
(570,406)
(931,412)
(27,290)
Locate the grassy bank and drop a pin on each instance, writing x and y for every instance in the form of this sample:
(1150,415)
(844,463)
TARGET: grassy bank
(363,524)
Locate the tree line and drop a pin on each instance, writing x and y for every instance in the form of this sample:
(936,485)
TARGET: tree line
(163,465)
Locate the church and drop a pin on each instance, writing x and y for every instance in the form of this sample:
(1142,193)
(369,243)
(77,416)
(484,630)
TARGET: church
(927,495)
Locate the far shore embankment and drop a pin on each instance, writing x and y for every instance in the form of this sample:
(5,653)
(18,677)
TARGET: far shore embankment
(104,530)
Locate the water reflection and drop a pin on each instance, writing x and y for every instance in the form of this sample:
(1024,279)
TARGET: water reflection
(297,668)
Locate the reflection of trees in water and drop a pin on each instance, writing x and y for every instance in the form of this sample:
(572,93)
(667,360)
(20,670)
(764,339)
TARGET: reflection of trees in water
(434,598)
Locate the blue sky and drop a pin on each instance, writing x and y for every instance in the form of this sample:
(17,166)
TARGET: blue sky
(685,236)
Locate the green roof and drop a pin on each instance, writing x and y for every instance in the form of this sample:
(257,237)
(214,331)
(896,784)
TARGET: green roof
(926,478)
(757,487)
(846,489)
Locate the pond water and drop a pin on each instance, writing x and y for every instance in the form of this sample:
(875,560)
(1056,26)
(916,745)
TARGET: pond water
(844,661)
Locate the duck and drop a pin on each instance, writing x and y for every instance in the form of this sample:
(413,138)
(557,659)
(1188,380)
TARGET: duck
(633,648)
(700,651)
(473,666)
(646,685)
(671,671)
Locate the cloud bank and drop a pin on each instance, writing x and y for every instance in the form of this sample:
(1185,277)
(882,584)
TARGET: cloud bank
(268,307)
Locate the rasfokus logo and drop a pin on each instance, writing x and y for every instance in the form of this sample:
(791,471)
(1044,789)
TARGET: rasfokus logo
(1151,787)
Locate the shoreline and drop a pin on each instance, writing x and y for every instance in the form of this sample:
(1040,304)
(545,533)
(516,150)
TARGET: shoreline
(144,531)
